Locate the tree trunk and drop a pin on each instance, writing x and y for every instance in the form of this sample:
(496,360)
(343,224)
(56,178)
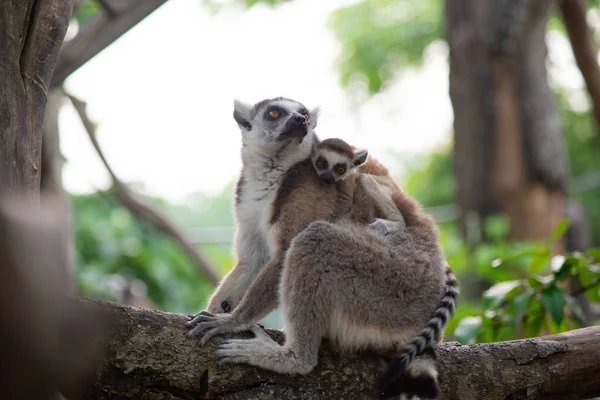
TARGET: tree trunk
(52,191)
(508,150)
(148,356)
(31,33)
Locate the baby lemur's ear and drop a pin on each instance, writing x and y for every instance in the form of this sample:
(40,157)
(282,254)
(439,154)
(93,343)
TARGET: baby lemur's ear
(314,117)
(360,156)
(242,113)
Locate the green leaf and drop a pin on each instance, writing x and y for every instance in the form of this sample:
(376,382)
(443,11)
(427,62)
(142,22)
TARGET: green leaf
(594,254)
(586,276)
(560,229)
(576,309)
(495,295)
(529,252)
(536,281)
(520,303)
(553,299)
(593,294)
(468,329)
(496,227)
(562,267)
(535,318)
(539,261)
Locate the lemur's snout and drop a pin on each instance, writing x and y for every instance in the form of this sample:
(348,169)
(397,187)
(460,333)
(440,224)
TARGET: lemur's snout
(327,177)
(295,127)
(299,119)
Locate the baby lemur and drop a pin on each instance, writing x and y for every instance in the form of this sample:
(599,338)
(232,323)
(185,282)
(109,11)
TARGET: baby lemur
(364,196)
(340,280)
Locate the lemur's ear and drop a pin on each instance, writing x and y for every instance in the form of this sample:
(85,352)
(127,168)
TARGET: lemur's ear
(360,156)
(242,113)
(314,117)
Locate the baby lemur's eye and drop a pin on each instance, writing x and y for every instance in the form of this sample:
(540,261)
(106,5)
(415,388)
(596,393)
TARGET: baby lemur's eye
(274,114)
(340,170)
(306,117)
(320,164)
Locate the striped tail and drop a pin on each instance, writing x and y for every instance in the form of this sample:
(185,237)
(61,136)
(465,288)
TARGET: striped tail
(420,381)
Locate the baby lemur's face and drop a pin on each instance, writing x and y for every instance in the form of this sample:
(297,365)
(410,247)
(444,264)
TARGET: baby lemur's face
(335,160)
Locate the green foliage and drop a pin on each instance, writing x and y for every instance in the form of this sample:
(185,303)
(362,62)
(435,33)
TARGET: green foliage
(110,241)
(422,172)
(380,36)
(272,3)
(216,6)
(86,10)
(534,298)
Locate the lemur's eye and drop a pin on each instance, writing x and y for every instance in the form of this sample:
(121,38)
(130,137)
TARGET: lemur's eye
(340,170)
(306,117)
(320,164)
(274,114)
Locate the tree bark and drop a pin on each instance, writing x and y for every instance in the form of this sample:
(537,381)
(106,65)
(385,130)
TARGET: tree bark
(148,356)
(31,33)
(508,150)
(52,191)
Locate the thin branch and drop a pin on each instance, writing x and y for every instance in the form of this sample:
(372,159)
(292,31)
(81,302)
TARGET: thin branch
(142,209)
(584,49)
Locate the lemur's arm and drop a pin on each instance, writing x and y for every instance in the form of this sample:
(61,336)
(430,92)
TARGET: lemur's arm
(263,295)
(260,299)
(252,253)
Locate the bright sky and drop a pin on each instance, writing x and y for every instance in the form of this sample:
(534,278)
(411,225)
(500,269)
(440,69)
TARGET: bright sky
(163,96)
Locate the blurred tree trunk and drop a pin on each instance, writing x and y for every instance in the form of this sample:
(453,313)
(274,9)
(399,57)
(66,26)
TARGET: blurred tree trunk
(509,152)
(52,191)
(31,33)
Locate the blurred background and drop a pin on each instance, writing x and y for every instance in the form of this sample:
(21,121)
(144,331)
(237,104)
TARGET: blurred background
(487,112)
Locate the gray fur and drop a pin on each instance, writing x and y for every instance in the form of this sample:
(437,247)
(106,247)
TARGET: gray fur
(385,227)
(360,156)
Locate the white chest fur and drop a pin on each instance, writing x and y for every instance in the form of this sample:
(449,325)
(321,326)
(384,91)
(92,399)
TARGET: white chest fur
(254,208)
(264,170)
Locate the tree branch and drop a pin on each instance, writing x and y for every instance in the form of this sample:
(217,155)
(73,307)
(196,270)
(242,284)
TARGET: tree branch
(148,354)
(584,49)
(102,30)
(142,209)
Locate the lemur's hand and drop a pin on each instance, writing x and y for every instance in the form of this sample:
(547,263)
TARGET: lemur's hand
(207,325)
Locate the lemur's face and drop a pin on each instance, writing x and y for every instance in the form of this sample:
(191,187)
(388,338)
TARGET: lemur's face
(274,120)
(331,166)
